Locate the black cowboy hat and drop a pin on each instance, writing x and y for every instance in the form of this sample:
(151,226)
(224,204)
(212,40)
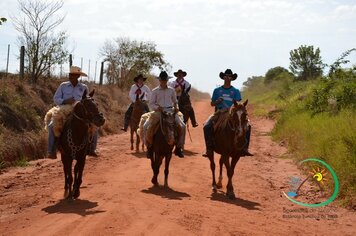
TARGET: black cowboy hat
(228,72)
(140,76)
(163,76)
(180,72)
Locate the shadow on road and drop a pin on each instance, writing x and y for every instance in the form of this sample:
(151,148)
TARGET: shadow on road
(166,193)
(79,206)
(221,197)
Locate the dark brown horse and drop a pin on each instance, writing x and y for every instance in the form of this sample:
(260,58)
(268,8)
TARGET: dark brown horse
(75,140)
(229,139)
(185,105)
(163,143)
(137,111)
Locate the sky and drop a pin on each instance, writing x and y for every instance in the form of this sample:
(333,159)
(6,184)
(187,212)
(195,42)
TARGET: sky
(202,37)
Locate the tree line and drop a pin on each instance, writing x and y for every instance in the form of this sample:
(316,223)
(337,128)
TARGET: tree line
(45,46)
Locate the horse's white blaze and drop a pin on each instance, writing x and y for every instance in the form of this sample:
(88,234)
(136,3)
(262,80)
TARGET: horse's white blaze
(239,114)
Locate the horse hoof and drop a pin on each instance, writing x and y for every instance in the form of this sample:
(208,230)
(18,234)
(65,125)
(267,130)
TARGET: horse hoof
(76,194)
(154,182)
(231,195)
(214,188)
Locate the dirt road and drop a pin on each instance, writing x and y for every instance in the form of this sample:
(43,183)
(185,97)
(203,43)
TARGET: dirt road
(117,197)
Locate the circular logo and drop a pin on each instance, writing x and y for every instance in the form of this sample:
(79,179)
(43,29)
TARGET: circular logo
(320,174)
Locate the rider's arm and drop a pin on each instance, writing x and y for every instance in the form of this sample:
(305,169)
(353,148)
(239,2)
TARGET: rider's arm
(132,94)
(58,96)
(215,99)
(153,101)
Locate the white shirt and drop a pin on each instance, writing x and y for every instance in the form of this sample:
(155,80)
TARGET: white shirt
(163,97)
(144,89)
(178,85)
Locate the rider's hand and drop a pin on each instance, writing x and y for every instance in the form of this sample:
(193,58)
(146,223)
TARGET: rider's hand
(218,101)
(176,109)
(69,101)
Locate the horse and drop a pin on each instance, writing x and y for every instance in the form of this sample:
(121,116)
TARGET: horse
(137,111)
(185,105)
(75,140)
(229,139)
(163,143)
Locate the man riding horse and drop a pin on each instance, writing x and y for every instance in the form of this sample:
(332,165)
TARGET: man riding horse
(137,89)
(223,98)
(182,86)
(163,97)
(69,92)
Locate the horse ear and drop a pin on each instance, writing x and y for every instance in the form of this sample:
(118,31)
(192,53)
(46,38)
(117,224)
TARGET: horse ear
(91,94)
(190,86)
(235,102)
(142,96)
(245,102)
(84,94)
(137,97)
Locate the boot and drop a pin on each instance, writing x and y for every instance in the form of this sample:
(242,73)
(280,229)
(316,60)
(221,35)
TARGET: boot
(208,153)
(179,152)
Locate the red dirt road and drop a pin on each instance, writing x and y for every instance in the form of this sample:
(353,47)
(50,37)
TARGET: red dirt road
(117,197)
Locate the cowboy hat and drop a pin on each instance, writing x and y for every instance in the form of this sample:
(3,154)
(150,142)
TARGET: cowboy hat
(75,70)
(163,76)
(140,76)
(228,72)
(180,72)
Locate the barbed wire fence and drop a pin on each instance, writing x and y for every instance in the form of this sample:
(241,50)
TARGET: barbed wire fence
(10,64)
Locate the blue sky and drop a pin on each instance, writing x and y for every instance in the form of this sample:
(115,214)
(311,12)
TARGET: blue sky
(203,37)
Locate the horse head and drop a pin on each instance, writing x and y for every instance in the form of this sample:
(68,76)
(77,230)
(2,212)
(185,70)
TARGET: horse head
(167,124)
(238,118)
(87,110)
(139,102)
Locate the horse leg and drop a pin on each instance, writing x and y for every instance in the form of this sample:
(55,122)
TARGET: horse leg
(68,178)
(154,165)
(131,138)
(230,187)
(212,167)
(166,170)
(219,184)
(229,191)
(137,142)
(78,173)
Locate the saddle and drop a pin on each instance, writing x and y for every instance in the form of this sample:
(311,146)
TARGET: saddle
(59,115)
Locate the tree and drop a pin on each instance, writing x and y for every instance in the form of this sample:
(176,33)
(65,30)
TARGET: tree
(305,63)
(336,66)
(2,20)
(126,58)
(277,73)
(43,46)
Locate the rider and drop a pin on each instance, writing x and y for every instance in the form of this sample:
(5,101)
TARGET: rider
(223,99)
(163,97)
(138,88)
(178,85)
(67,93)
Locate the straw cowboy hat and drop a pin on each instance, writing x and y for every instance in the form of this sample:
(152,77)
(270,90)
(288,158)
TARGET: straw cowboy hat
(140,76)
(180,72)
(75,70)
(228,72)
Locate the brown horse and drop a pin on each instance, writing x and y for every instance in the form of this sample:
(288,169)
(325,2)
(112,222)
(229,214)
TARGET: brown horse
(185,105)
(229,139)
(137,111)
(75,140)
(163,143)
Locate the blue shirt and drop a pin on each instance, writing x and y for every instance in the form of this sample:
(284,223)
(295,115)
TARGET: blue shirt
(67,90)
(228,94)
